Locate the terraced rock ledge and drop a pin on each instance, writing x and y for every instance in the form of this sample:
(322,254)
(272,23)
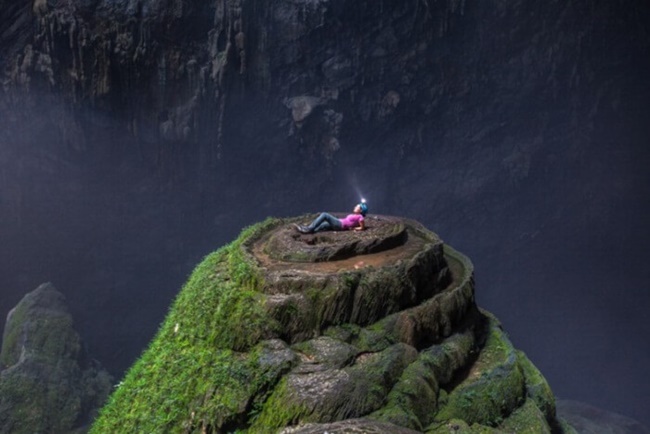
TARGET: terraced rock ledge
(373,331)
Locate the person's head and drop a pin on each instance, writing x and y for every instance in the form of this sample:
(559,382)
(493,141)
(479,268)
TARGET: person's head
(361,208)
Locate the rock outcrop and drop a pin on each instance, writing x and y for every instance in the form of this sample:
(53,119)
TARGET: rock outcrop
(477,106)
(47,385)
(273,333)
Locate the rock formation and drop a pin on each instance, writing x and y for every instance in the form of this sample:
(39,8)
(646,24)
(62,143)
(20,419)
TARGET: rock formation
(47,385)
(317,74)
(374,331)
(503,115)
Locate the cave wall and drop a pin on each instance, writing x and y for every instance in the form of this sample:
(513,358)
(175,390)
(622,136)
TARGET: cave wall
(188,87)
(136,135)
(478,97)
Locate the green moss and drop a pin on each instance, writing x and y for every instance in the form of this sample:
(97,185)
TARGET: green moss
(298,256)
(347,393)
(527,419)
(344,332)
(492,388)
(42,316)
(288,313)
(327,352)
(47,403)
(374,378)
(331,303)
(213,365)
(10,341)
(414,400)
(377,336)
(44,389)
(537,388)
(279,410)
(457,426)
(194,373)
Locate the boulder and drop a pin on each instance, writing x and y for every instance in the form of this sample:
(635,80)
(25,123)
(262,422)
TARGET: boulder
(47,384)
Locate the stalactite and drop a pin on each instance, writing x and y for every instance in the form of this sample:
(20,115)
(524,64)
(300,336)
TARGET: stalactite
(81,44)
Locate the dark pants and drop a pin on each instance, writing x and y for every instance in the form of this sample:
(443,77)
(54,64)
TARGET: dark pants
(325,222)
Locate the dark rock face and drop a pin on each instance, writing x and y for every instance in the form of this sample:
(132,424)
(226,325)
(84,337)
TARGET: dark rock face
(318,75)
(45,383)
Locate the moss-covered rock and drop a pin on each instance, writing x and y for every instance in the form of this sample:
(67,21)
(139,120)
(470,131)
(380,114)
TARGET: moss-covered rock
(458,426)
(493,386)
(320,393)
(46,383)
(537,389)
(385,341)
(528,418)
(39,323)
(413,401)
(501,390)
(361,289)
(350,426)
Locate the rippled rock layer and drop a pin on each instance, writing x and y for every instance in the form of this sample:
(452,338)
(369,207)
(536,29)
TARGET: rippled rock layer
(373,331)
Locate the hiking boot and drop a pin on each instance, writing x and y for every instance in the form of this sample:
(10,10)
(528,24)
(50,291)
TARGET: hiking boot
(303,229)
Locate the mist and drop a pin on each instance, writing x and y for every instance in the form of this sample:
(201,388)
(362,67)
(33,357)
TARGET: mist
(540,176)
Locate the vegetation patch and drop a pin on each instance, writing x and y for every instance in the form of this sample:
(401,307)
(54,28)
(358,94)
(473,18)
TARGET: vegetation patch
(48,386)
(414,399)
(196,372)
(458,426)
(537,388)
(42,317)
(492,388)
(526,419)
(280,410)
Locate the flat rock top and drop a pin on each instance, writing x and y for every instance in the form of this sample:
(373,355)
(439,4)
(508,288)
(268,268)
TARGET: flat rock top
(385,240)
(381,233)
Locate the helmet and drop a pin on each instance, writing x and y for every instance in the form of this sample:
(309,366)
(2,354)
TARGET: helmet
(364,208)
